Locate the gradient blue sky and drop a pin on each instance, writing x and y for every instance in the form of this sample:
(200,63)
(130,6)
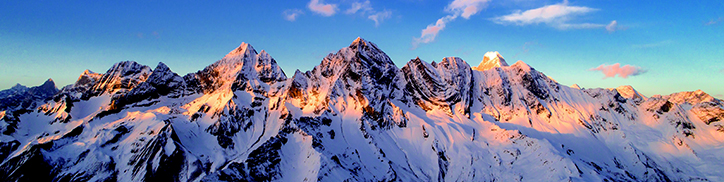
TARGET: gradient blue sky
(671,46)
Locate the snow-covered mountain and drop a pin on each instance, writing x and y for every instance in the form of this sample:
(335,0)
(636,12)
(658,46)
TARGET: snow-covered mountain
(355,117)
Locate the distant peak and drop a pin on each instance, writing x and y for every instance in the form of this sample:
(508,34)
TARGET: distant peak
(18,86)
(49,82)
(699,92)
(628,91)
(244,48)
(491,60)
(49,85)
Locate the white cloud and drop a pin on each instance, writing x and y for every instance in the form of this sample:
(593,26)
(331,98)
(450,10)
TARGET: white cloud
(466,8)
(428,34)
(323,9)
(610,71)
(380,16)
(714,21)
(357,6)
(611,27)
(291,14)
(457,8)
(556,15)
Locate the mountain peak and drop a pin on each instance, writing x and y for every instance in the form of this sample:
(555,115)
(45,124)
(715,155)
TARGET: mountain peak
(363,46)
(243,49)
(122,75)
(691,97)
(48,83)
(18,86)
(88,72)
(359,40)
(628,91)
(491,60)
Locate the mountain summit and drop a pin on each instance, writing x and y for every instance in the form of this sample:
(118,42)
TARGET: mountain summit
(355,117)
(491,60)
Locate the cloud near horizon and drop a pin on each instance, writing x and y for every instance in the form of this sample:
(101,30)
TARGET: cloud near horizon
(323,9)
(610,71)
(458,8)
(556,16)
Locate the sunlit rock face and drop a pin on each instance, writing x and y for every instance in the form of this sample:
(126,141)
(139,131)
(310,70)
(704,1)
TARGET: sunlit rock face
(354,117)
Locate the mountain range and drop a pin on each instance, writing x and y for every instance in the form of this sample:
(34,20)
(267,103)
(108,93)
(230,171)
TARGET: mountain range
(355,117)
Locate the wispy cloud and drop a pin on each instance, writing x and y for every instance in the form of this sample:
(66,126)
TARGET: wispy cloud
(611,27)
(466,8)
(380,16)
(652,45)
(610,71)
(714,21)
(359,6)
(291,14)
(323,9)
(457,8)
(556,15)
(430,32)
(719,95)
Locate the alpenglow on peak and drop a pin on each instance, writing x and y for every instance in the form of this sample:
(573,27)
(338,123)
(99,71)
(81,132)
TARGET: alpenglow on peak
(491,60)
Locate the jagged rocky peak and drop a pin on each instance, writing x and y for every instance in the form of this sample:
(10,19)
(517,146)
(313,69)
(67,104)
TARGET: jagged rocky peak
(241,66)
(454,63)
(243,49)
(88,77)
(491,60)
(253,64)
(361,59)
(18,86)
(48,84)
(47,89)
(21,97)
(122,76)
(268,69)
(628,91)
(163,76)
(693,97)
(440,82)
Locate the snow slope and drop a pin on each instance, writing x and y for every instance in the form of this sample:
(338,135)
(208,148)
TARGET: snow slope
(358,117)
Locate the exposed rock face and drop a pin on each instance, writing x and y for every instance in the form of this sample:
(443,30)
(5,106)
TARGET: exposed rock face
(20,97)
(354,117)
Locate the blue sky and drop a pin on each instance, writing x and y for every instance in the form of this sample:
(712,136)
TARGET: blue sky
(661,47)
